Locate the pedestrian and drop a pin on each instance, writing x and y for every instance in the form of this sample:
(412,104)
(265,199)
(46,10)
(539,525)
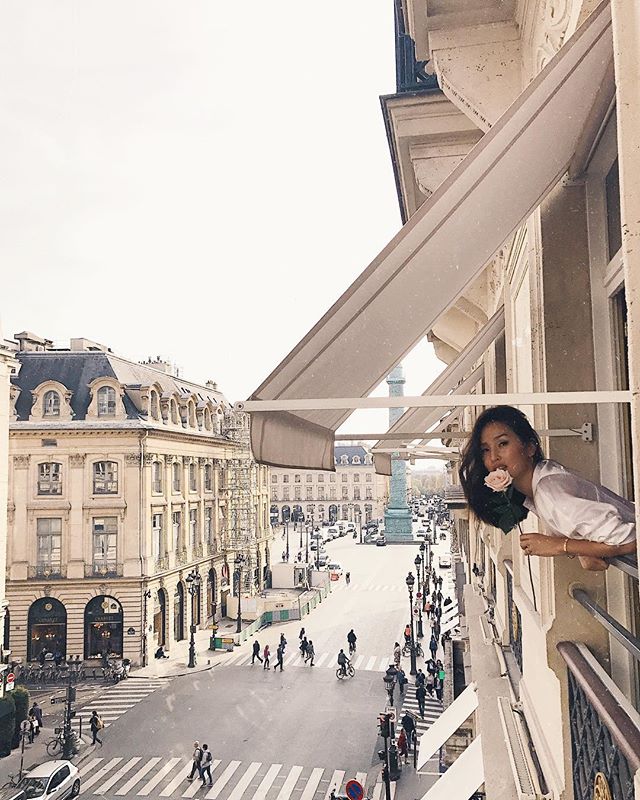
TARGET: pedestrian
(310,652)
(283,642)
(437,612)
(439,597)
(430,683)
(408,725)
(402,679)
(439,581)
(256,652)
(421,696)
(420,678)
(196,761)
(433,645)
(447,601)
(32,730)
(95,724)
(347,578)
(397,652)
(279,655)
(403,746)
(42,657)
(267,656)
(304,644)
(431,666)
(301,634)
(427,608)
(205,767)
(37,713)
(436,628)
(407,634)
(434,597)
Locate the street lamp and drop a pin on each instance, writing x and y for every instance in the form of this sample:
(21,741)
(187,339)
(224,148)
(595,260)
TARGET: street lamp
(425,580)
(389,679)
(286,528)
(417,562)
(239,563)
(193,587)
(410,582)
(68,739)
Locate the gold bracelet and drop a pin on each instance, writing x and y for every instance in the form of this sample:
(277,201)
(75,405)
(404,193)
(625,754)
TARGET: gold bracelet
(566,544)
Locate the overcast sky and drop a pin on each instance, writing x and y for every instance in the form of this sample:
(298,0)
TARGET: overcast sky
(167,165)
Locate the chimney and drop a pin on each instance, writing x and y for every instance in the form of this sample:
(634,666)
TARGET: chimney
(30,343)
(83,345)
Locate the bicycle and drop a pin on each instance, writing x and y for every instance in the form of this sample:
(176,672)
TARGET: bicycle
(12,782)
(352,648)
(55,745)
(349,672)
(406,650)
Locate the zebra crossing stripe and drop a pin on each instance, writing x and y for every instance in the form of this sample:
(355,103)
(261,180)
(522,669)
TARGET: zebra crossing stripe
(384,663)
(370,663)
(319,659)
(115,778)
(165,770)
(88,767)
(245,781)
(100,774)
(137,777)
(312,784)
(357,662)
(361,777)
(291,659)
(222,781)
(290,782)
(267,781)
(194,786)
(334,783)
(177,780)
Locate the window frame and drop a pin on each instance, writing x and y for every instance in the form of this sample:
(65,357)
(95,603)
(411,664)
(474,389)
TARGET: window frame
(50,393)
(50,480)
(109,409)
(106,480)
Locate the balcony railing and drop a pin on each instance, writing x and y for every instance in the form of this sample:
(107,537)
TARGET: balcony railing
(198,550)
(162,563)
(212,548)
(48,571)
(103,569)
(182,557)
(605,730)
(411,75)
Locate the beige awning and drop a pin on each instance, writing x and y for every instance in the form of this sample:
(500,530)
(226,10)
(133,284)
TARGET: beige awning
(435,256)
(463,778)
(447,724)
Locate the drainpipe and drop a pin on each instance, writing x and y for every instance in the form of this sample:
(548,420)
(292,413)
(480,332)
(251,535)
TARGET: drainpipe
(141,514)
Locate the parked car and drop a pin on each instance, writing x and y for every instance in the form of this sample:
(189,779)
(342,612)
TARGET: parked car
(444,560)
(334,567)
(57,779)
(342,532)
(323,560)
(421,532)
(381,541)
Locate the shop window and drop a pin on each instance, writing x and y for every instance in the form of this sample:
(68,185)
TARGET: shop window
(103,628)
(46,629)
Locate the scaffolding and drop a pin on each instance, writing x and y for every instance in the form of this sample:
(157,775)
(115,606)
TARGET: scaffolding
(239,522)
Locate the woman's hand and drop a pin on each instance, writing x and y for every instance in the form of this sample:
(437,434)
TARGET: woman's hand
(537,544)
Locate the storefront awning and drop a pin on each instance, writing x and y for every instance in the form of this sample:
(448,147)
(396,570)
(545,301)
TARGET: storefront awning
(447,724)
(421,419)
(463,778)
(435,256)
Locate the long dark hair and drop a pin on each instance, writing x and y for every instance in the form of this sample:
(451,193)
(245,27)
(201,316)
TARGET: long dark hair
(472,469)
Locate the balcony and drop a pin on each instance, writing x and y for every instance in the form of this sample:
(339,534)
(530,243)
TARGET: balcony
(411,75)
(103,569)
(182,557)
(162,563)
(48,571)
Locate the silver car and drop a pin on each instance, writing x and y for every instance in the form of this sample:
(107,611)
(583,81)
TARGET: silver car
(54,780)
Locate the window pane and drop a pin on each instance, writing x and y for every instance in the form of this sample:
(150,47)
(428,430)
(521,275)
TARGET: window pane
(106,401)
(51,404)
(614,217)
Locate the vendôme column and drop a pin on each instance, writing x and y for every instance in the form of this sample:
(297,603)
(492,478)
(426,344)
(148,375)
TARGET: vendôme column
(397,517)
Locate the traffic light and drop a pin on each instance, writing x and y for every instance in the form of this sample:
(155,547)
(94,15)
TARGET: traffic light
(385,730)
(71,693)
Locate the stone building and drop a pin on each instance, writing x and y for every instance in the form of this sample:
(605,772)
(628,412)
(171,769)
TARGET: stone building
(122,484)
(354,492)
(513,136)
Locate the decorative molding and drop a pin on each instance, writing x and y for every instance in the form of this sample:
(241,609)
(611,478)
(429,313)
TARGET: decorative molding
(21,462)
(77,460)
(149,459)
(132,459)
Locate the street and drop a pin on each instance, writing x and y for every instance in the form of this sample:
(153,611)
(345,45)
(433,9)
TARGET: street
(273,735)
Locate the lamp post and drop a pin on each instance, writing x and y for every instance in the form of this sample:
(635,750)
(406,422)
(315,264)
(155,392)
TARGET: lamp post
(68,743)
(389,679)
(425,582)
(239,563)
(419,596)
(193,587)
(360,524)
(146,595)
(286,528)
(410,581)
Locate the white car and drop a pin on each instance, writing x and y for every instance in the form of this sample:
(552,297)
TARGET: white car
(421,532)
(444,560)
(332,567)
(53,779)
(333,533)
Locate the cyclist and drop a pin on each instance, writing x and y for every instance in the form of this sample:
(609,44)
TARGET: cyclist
(343,661)
(352,638)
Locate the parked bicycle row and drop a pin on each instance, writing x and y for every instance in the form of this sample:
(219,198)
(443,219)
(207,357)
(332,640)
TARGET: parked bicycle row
(74,671)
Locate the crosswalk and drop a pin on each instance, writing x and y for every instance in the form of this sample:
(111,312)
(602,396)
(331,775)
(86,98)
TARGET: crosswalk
(118,699)
(361,663)
(433,708)
(158,776)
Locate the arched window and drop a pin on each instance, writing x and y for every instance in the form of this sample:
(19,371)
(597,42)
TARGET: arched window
(192,415)
(105,477)
(176,472)
(344,459)
(46,628)
(208,425)
(174,412)
(356,460)
(51,404)
(106,401)
(103,627)
(208,478)
(154,407)
(156,477)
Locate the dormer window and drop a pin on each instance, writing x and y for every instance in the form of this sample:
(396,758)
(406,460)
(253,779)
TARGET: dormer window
(344,459)
(356,460)
(174,413)
(154,406)
(51,404)
(106,401)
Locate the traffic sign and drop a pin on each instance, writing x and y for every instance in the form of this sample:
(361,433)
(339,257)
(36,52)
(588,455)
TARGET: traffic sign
(10,681)
(55,700)
(354,790)
(391,713)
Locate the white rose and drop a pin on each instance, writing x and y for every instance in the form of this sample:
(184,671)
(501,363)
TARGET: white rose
(498,480)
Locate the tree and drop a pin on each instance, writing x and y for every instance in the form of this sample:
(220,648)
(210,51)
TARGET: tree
(21,701)
(7,723)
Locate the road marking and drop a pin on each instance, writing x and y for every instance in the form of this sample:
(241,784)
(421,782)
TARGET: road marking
(115,778)
(290,782)
(361,777)
(88,767)
(334,783)
(267,781)
(291,659)
(138,776)
(319,659)
(175,782)
(370,663)
(194,785)
(222,781)
(312,784)
(148,787)
(384,663)
(100,774)
(244,781)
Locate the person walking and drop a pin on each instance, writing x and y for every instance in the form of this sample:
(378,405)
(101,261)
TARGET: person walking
(397,652)
(430,683)
(440,683)
(36,711)
(408,726)
(196,761)
(310,652)
(407,634)
(439,597)
(421,696)
(439,581)
(433,645)
(403,746)
(352,639)
(402,680)
(95,724)
(256,652)
(420,678)
(347,578)
(283,643)
(301,634)
(304,644)
(279,659)
(267,656)
(205,766)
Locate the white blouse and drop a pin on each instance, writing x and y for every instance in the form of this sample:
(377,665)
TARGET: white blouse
(574,507)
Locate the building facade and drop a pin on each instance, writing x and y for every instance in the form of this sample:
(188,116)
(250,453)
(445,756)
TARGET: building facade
(354,492)
(565,284)
(124,483)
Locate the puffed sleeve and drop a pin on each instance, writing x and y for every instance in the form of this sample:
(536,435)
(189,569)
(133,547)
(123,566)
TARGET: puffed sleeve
(572,508)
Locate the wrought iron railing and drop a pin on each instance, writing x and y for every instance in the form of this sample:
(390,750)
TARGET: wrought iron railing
(605,730)
(411,75)
(515,623)
(48,571)
(103,569)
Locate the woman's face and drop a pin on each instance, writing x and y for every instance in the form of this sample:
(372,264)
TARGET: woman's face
(501,448)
